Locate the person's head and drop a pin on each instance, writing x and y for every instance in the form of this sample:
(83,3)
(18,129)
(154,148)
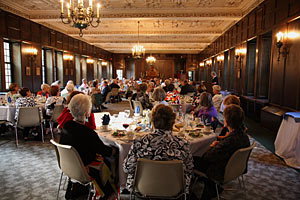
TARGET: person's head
(105,83)
(143,87)
(45,88)
(57,83)
(163,117)
(25,92)
(13,87)
(159,95)
(70,96)
(206,100)
(150,86)
(90,84)
(70,82)
(115,81)
(70,87)
(213,74)
(185,82)
(233,116)
(54,90)
(171,87)
(80,107)
(167,82)
(84,81)
(95,84)
(216,89)
(231,99)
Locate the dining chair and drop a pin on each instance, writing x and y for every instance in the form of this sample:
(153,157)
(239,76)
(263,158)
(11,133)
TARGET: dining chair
(159,179)
(28,117)
(97,100)
(130,104)
(115,93)
(71,165)
(56,113)
(235,168)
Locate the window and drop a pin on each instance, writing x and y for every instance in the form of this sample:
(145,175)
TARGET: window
(191,75)
(7,65)
(120,74)
(43,66)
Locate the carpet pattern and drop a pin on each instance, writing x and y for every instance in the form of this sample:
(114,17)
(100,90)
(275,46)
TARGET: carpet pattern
(31,172)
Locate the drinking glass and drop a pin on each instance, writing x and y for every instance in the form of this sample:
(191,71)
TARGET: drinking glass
(127,113)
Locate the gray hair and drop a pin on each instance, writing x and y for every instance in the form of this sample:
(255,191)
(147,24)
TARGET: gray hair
(159,94)
(70,87)
(213,73)
(80,106)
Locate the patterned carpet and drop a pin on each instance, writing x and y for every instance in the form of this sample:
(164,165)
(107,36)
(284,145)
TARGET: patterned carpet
(31,172)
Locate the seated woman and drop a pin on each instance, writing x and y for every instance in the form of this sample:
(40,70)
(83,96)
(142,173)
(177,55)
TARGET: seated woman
(141,96)
(68,89)
(147,147)
(54,100)
(206,108)
(26,100)
(66,116)
(196,99)
(45,90)
(13,92)
(231,99)
(159,96)
(217,98)
(95,88)
(91,149)
(214,160)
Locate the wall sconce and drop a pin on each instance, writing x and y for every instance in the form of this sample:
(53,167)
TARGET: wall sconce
(31,51)
(68,57)
(240,52)
(90,61)
(201,64)
(104,63)
(279,43)
(209,62)
(220,58)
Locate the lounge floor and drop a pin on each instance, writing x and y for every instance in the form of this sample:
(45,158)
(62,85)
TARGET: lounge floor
(31,171)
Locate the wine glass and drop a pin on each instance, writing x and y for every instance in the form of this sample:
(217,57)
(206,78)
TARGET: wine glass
(127,113)
(125,125)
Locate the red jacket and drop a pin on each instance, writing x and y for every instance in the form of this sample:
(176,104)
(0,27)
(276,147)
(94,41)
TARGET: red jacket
(66,116)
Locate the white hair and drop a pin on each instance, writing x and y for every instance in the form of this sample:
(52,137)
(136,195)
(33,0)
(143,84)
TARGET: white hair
(80,107)
(70,82)
(43,86)
(70,87)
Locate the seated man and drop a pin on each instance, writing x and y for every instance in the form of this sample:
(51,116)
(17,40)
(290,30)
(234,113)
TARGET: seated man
(160,145)
(214,160)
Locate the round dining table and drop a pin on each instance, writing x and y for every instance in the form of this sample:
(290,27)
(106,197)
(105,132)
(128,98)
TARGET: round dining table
(198,145)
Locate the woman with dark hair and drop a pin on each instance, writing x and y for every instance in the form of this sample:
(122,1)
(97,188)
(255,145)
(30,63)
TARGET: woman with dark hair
(141,96)
(160,145)
(206,108)
(55,99)
(66,116)
(26,100)
(13,91)
(214,160)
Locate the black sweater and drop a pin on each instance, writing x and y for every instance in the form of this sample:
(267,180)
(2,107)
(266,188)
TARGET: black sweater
(84,140)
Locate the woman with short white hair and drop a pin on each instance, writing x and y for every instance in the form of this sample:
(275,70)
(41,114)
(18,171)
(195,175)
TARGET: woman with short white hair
(68,90)
(89,146)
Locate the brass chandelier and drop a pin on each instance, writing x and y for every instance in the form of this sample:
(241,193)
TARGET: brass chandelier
(80,16)
(150,60)
(138,51)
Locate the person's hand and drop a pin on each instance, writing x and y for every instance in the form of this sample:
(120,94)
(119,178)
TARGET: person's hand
(214,143)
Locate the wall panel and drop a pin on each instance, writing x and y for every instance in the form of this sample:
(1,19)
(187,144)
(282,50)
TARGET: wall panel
(13,27)
(25,30)
(35,32)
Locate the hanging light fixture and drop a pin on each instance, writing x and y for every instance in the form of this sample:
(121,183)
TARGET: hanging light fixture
(80,17)
(150,60)
(138,51)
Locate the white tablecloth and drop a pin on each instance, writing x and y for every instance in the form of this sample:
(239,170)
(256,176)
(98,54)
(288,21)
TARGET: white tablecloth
(198,147)
(7,113)
(287,143)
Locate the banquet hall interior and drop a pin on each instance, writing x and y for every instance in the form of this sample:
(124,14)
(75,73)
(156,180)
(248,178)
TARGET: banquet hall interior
(127,57)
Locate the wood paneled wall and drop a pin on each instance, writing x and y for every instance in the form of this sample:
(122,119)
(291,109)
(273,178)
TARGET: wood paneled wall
(262,24)
(18,29)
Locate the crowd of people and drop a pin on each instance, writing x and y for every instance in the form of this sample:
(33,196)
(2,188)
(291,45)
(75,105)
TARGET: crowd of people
(77,124)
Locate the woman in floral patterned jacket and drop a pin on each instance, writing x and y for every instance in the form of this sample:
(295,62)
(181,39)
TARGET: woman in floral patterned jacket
(160,145)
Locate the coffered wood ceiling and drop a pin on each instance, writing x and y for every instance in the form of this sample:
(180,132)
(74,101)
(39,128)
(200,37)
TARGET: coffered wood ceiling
(166,26)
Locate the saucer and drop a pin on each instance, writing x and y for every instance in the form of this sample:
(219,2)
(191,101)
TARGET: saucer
(108,130)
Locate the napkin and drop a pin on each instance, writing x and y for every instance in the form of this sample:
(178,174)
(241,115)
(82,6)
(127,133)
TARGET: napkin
(105,119)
